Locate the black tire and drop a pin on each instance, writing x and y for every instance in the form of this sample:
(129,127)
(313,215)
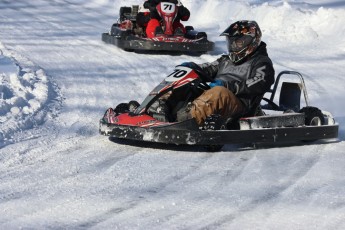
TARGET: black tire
(313,116)
(189,28)
(133,105)
(114,31)
(121,108)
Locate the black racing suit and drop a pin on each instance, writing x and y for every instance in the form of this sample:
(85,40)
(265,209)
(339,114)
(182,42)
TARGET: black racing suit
(249,80)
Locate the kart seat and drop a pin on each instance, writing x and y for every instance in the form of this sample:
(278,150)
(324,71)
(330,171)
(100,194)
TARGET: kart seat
(290,96)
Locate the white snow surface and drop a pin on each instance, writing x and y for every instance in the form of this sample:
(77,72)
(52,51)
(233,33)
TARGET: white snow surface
(58,77)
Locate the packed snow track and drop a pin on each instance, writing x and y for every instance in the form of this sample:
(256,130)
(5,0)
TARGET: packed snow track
(58,77)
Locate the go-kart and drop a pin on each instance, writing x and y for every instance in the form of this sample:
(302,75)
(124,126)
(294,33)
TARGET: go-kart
(127,34)
(271,122)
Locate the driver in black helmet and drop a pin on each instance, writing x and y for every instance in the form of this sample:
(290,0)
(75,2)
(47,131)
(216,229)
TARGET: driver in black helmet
(240,79)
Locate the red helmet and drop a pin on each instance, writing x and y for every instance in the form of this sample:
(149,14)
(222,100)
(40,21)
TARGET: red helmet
(243,37)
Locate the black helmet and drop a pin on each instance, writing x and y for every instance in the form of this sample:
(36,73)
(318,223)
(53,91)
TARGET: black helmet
(243,37)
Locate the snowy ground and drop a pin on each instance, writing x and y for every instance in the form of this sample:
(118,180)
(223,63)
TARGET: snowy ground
(57,78)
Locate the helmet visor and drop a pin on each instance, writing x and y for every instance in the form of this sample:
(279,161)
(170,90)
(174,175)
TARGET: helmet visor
(238,43)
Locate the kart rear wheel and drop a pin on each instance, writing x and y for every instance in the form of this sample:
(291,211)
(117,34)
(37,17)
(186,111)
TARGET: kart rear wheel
(313,117)
(188,28)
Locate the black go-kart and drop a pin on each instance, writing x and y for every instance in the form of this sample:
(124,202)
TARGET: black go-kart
(272,122)
(127,34)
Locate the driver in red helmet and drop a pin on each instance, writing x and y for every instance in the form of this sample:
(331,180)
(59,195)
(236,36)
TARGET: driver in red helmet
(240,78)
(182,14)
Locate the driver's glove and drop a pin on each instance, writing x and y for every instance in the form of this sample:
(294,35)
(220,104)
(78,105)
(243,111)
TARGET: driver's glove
(216,82)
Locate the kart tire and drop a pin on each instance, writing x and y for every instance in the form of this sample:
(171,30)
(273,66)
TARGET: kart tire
(313,116)
(133,105)
(189,28)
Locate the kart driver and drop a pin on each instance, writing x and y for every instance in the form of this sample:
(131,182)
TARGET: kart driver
(240,79)
(182,14)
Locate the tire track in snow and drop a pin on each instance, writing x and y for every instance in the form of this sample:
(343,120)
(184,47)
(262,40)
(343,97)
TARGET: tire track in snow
(268,199)
(140,200)
(194,177)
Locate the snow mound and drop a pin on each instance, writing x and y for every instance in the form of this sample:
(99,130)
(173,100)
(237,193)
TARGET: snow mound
(24,94)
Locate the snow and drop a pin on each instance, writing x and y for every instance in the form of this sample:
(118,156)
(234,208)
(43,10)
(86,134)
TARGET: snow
(58,78)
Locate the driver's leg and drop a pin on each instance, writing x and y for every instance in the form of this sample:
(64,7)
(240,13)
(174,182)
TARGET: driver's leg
(217,100)
(178,24)
(151,27)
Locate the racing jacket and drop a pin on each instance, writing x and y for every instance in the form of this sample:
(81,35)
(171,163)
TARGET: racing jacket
(249,80)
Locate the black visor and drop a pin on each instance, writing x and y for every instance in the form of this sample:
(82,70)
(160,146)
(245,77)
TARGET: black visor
(238,43)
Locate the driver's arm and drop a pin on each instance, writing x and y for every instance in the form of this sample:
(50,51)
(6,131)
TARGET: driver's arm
(211,68)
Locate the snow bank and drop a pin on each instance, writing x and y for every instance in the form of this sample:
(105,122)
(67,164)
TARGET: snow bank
(281,20)
(23,97)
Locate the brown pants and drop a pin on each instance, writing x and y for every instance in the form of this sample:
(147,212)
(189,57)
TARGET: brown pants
(217,100)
